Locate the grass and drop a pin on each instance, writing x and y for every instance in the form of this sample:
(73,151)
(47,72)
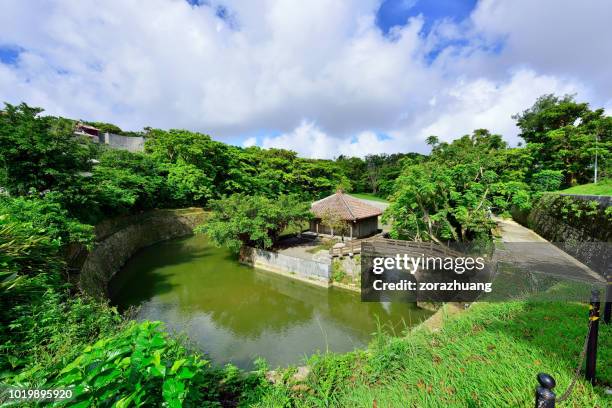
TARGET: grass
(602,188)
(486,357)
(368,196)
(325,244)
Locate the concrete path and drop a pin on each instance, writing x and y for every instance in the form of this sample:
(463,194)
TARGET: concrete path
(524,248)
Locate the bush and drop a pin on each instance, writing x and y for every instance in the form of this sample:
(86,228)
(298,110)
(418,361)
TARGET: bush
(547,180)
(139,366)
(45,217)
(142,365)
(338,273)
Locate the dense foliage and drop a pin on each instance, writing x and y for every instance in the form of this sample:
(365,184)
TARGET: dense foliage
(376,173)
(452,195)
(54,186)
(38,153)
(565,136)
(52,337)
(253,220)
(142,366)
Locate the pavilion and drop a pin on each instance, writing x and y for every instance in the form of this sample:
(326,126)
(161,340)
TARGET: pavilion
(361,219)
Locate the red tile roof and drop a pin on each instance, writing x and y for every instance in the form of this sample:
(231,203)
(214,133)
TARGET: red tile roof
(349,208)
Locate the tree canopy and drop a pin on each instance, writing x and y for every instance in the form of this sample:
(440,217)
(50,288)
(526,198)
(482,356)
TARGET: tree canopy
(566,136)
(256,221)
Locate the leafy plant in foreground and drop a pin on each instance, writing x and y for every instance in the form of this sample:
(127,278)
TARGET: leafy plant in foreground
(139,366)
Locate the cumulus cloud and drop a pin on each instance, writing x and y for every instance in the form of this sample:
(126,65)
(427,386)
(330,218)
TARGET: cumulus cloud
(484,103)
(321,74)
(311,141)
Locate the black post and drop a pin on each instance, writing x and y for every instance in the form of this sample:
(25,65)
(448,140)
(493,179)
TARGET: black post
(591,353)
(544,395)
(608,304)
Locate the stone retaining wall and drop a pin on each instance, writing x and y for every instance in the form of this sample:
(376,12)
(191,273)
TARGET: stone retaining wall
(604,201)
(299,268)
(578,225)
(118,239)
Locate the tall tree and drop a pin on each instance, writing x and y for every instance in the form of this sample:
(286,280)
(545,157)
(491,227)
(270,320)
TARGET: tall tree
(566,136)
(39,152)
(257,221)
(450,197)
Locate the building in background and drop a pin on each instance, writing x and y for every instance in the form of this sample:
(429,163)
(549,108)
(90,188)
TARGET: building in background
(129,143)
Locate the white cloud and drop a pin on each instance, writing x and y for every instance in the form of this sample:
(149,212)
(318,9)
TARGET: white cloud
(320,72)
(307,139)
(310,141)
(250,141)
(483,103)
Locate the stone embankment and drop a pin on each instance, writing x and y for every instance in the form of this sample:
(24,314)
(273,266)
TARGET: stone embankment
(579,225)
(118,239)
(306,270)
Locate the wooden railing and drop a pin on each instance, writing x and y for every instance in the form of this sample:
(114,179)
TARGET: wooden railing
(427,248)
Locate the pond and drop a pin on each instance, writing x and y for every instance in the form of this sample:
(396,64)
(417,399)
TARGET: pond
(235,313)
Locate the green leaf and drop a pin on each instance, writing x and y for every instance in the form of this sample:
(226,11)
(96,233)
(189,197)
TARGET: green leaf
(185,373)
(177,364)
(172,391)
(126,401)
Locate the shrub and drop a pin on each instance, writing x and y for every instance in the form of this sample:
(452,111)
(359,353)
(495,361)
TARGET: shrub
(338,273)
(547,180)
(142,365)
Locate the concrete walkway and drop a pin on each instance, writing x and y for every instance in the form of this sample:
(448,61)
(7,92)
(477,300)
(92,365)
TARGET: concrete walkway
(524,248)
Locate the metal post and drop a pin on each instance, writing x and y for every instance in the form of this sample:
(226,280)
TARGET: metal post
(608,303)
(591,353)
(544,395)
(596,137)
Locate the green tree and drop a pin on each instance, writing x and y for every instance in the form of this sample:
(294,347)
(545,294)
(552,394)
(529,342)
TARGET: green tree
(256,221)
(334,221)
(566,136)
(122,182)
(354,168)
(189,185)
(39,152)
(451,196)
(432,141)
(547,180)
(374,165)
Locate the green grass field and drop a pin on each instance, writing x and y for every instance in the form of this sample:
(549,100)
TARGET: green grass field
(488,356)
(368,196)
(603,188)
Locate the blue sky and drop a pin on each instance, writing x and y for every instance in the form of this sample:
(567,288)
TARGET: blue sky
(9,54)
(322,77)
(397,12)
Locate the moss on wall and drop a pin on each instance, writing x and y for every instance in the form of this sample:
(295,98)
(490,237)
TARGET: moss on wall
(582,228)
(564,218)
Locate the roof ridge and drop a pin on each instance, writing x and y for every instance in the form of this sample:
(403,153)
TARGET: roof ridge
(348,207)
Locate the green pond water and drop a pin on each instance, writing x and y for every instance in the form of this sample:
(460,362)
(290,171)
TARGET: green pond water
(235,313)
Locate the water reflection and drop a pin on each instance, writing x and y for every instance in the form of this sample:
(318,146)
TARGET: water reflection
(236,313)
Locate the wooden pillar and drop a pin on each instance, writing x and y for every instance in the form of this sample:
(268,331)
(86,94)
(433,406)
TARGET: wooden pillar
(351,231)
